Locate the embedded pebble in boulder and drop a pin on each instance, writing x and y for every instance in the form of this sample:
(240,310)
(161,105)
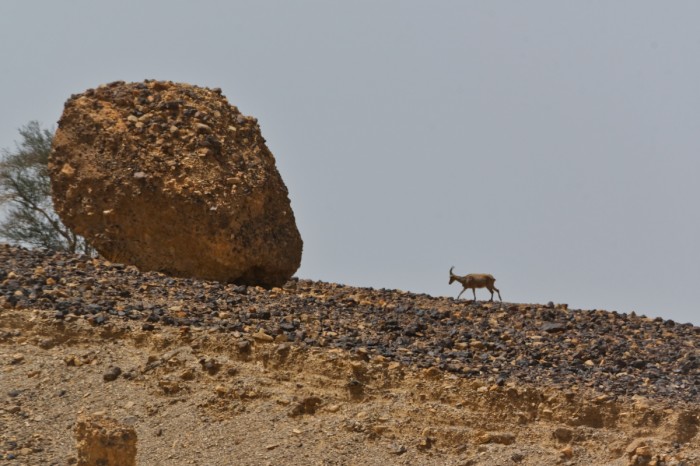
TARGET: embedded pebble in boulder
(172,178)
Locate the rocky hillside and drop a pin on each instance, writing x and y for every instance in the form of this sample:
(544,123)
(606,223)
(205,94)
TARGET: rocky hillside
(321,373)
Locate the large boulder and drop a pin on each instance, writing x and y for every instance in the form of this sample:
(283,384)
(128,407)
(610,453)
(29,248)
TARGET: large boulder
(171,177)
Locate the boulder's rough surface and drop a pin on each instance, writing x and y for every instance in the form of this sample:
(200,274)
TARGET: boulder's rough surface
(103,441)
(171,177)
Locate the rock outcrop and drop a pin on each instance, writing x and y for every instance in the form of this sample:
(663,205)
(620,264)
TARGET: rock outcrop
(172,178)
(104,441)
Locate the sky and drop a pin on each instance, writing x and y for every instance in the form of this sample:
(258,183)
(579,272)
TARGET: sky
(554,144)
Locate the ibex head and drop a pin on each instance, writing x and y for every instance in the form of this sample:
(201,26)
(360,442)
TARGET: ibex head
(453,277)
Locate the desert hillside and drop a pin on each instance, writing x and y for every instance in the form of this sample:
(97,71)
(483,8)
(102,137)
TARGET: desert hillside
(327,374)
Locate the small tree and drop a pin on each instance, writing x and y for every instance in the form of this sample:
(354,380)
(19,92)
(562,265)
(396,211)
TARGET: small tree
(25,191)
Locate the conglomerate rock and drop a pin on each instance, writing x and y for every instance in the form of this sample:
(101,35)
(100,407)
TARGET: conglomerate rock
(172,178)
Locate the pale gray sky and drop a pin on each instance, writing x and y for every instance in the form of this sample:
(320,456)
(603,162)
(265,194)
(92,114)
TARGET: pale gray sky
(554,144)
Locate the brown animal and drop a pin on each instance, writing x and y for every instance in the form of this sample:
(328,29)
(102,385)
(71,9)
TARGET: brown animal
(474,281)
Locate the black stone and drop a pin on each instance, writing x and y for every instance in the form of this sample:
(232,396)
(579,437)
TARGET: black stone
(553,327)
(111,374)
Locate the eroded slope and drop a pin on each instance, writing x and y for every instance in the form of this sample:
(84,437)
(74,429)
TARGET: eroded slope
(318,373)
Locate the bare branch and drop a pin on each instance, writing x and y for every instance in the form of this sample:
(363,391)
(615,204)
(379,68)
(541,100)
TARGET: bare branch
(25,190)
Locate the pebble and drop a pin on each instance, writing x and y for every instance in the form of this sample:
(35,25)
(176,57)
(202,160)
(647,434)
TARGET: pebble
(212,366)
(634,445)
(244,346)
(308,405)
(567,452)
(563,434)
(262,336)
(503,438)
(643,451)
(111,374)
(553,327)
(188,374)
(398,449)
(202,128)
(332,408)
(221,390)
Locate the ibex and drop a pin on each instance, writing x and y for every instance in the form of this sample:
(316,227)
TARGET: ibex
(474,281)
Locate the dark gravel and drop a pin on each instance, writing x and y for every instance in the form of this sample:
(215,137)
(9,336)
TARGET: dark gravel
(617,354)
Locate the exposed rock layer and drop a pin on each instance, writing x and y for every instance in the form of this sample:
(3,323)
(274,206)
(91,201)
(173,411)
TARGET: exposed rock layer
(172,178)
(104,441)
